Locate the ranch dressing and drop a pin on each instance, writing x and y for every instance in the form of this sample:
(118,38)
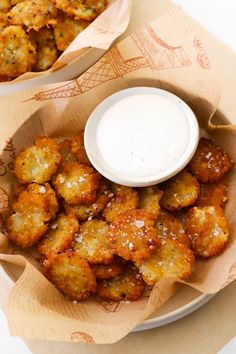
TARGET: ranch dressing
(142,135)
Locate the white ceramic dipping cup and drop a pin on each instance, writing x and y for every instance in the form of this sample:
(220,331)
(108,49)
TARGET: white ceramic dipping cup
(141,136)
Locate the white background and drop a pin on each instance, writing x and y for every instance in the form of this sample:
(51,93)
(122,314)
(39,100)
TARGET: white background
(219,18)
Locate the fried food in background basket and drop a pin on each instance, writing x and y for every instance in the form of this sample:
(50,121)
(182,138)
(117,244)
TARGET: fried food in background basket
(98,237)
(33,33)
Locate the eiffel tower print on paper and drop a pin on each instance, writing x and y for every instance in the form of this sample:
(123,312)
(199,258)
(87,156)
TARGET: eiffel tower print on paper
(154,54)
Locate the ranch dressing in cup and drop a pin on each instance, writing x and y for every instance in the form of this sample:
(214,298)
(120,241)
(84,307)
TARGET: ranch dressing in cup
(141,136)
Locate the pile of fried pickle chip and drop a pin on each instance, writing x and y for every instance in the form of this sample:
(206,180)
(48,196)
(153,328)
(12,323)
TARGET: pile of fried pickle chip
(98,237)
(33,33)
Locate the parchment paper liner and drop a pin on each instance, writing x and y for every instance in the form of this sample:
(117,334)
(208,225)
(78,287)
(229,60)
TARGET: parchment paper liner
(101,33)
(167,54)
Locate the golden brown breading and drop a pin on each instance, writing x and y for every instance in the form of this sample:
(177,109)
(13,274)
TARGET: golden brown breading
(212,194)
(14,2)
(37,163)
(77,147)
(92,242)
(77,184)
(210,162)
(125,198)
(3,21)
(33,14)
(59,236)
(67,29)
(40,196)
(168,226)
(17,53)
(170,259)
(208,229)
(132,235)
(71,274)
(83,212)
(149,198)
(180,191)
(36,205)
(26,227)
(80,9)
(45,47)
(5,5)
(108,271)
(129,285)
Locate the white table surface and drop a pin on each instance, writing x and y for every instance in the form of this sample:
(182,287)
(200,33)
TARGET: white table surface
(209,13)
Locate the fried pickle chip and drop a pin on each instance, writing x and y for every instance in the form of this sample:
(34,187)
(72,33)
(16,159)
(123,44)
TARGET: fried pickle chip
(149,198)
(77,147)
(108,271)
(37,163)
(170,227)
(5,5)
(170,259)
(59,236)
(208,229)
(33,14)
(77,184)
(46,48)
(92,242)
(129,285)
(40,196)
(71,274)
(212,194)
(210,162)
(133,236)
(179,191)
(66,29)
(79,9)
(83,212)
(125,198)
(17,53)
(36,205)
(26,227)
(3,20)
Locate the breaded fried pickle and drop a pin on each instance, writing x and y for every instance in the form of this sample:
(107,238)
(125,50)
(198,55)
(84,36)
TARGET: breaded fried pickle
(108,271)
(83,212)
(127,286)
(212,194)
(71,274)
(5,5)
(40,195)
(37,163)
(33,14)
(77,183)
(179,191)
(168,226)
(59,236)
(92,242)
(17,53)
(170,259)
(77,147)
(125,198)
(26,227)
(208,229)
(35,206)
(132,235)
(210,162)
(66,29)
(46,48)
(81,9)
(149,198)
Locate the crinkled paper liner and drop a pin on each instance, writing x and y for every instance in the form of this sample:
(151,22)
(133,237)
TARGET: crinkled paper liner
(166,53)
